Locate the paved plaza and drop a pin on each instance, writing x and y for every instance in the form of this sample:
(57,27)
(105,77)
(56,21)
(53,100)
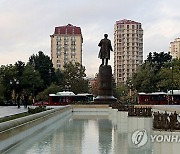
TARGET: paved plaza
(168,108)
(11,110)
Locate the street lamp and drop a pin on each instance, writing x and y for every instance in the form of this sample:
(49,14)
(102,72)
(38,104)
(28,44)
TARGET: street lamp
(123,94)
(172,81)
(33,98)
(34,71)
(130,85)
(67,87)
(50,76)
(14,82)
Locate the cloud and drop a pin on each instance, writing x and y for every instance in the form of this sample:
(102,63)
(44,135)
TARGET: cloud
(26,25)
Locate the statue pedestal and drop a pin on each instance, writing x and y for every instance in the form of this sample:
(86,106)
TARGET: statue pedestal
(105,94)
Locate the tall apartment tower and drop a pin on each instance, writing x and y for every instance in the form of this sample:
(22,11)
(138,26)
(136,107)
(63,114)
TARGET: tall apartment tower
(66,45)
(128,49)
(175,48)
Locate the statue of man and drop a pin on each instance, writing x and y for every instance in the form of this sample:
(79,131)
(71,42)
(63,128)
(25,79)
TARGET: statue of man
(106,47)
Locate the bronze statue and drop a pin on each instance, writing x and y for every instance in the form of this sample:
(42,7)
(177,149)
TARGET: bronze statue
(106,47)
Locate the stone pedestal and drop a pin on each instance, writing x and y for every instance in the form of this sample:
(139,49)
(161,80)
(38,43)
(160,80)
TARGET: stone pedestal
(105,94)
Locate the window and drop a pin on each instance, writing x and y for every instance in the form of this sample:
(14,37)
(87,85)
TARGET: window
(65,53)
(73,42)
(65,42)
(58,47)
(65,48)
(58,53)
(73,56)
(58,43)
(58,65)
(65,39)
(65,60)
(72,38)
(58,38)
(73,47)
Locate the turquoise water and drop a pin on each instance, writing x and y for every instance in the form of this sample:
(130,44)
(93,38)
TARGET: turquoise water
(92,133)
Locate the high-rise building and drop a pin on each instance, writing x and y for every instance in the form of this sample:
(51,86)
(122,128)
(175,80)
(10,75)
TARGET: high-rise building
(175,48)
(66,45)
(128,49)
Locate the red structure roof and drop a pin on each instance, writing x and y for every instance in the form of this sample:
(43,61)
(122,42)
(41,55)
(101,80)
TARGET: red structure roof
(125,21)
(68,29)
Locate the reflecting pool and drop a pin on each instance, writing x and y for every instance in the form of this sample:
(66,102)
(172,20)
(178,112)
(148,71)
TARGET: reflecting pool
(95,133)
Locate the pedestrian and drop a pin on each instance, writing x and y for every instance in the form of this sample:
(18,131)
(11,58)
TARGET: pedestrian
(25,100)
(18,100)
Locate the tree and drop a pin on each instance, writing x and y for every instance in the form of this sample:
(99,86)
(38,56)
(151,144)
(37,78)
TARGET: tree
(19,66)
(74,78)
(156,73)
(43,64)
(1,91)
(176,73)
(9,78)
(59,77)
(52,89)
(169,78)
(158,60)
(31,81)
(94,86)
(121,93)
(144,80)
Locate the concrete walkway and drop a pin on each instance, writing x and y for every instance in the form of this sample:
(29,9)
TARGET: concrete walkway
(11,110)
(168,108)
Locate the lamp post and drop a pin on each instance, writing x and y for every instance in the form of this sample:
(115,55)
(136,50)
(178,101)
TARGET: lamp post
(67,86)
(123,94)
(34,71)
(130,85)
(14,82)
(172,81)
(33,98)
(50,76)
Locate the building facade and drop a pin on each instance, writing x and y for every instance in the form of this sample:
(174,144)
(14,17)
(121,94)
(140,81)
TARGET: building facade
(175,48)
(128,49)
(66,45)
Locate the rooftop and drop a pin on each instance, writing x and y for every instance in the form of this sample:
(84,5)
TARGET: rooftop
(68,29)
(126,21)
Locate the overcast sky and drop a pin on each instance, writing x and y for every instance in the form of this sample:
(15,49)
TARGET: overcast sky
(26,25)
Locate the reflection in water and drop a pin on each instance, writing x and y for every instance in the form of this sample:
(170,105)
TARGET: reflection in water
(93,133)
(105,135)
